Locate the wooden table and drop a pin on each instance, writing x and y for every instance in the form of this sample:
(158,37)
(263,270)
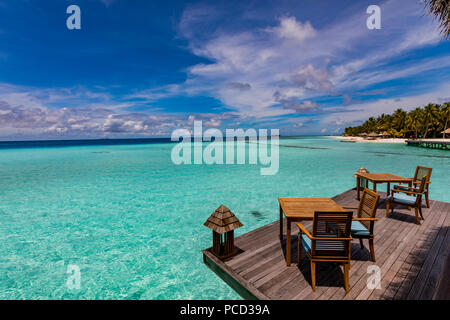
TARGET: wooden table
(380,178)
(299,209)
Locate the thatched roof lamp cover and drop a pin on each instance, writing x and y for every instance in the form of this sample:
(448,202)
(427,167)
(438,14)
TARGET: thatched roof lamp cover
(223,220)
(361,170)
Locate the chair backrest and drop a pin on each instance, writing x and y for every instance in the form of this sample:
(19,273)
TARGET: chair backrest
(421,189)
(368,207)
(331,225)
(422,171)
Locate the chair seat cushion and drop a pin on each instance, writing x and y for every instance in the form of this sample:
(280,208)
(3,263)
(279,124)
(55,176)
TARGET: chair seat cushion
(358,229)
(306,242)
(403,188)
(322,244)
(403,199)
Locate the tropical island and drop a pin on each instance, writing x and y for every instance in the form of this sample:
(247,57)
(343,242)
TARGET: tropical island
(429,122)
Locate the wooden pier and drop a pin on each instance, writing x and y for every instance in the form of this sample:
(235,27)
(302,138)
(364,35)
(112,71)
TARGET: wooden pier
(433,144)
(412,259)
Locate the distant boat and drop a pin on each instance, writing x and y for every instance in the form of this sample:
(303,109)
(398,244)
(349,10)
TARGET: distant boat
(349,140)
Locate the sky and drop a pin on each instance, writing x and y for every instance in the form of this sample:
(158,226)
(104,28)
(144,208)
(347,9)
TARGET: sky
(146,68)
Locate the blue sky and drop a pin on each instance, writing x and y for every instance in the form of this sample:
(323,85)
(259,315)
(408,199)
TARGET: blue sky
(145,68)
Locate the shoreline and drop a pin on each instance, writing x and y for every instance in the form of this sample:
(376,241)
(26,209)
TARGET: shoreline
(389,140)
(360,139)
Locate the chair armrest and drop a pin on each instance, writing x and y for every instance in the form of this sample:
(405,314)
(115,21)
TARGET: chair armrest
(407,192)
(365,219)
(303,229)
(409,188)
(350,207)
(418,182)
(331,239)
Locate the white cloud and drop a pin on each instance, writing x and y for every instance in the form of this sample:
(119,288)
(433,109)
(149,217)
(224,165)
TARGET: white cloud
(306,107)
(263,74)
(291,29)
(294,61)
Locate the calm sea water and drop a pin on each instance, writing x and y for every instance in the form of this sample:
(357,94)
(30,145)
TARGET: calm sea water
(133,221)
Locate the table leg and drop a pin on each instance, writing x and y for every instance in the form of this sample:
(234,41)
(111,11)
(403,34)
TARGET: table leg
(358,181)
(388,188)
(281,223)
(288,242)
(374,187)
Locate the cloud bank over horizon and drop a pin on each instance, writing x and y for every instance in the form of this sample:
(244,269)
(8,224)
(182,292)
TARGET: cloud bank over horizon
(294,67)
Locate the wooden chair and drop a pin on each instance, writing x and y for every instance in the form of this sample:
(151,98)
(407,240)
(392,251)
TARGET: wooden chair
(362,226)
(411,198)
(420,172)
(330,241)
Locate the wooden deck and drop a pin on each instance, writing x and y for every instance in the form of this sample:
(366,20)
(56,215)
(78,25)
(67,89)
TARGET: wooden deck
(412,259)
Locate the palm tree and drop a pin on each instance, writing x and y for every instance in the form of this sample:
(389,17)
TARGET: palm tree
(430,116)
(441,11)
(429,120)
(383,122)
(445,112)
(415,120)
(399,120)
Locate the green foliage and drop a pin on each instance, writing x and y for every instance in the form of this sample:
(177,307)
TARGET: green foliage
(440,9)
(426,122)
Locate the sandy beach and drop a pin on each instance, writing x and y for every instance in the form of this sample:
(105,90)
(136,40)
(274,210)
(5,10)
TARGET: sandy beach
(389,140)
(360,139)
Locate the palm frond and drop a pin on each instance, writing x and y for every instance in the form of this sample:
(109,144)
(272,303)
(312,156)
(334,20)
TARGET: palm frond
(440,9)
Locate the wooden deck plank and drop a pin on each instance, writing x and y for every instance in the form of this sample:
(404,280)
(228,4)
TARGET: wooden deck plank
(398,231)
(415,260)
(411,258)
(414,257)
(426,280)
(395,260)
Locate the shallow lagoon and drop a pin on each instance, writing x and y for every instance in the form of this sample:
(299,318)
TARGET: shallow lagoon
(133,221)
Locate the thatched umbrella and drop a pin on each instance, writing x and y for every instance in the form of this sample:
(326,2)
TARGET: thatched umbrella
(372,136)
(362,134)
(385,134)
(223,222)
(445,132)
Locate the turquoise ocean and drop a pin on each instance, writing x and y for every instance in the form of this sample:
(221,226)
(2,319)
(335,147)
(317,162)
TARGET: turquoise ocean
(132,221)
